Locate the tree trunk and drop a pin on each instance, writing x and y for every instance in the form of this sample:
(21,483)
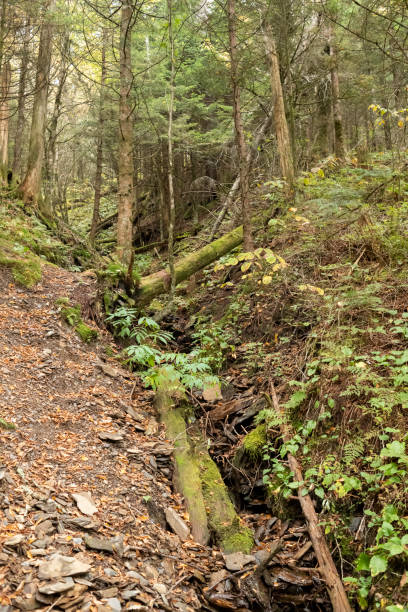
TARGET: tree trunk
(158,283)
(31,186)
(239,128)
(99,143)
(4,119)
(339,149)
(172,208)
(281,125)
(50,159)
(18,140)
(126,194)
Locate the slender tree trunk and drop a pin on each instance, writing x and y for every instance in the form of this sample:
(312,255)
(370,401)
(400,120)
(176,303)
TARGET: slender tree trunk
(239,128)
(18,140)
(281,125)
(126,192)
(50,158)
(31,186)
(172,208)
(4,119)
(4,87)
(99,146)
(339,149)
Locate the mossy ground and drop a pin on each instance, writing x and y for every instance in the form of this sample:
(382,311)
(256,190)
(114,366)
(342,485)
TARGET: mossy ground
(72,315)
(25,266)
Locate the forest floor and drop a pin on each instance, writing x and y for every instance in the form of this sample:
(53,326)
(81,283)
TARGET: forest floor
(79,432)
(66,402)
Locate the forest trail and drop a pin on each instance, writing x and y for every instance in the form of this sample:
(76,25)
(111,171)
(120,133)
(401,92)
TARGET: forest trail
(63,399)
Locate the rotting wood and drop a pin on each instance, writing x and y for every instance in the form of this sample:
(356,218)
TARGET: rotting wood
(327,567)
(155,284)
(197,477)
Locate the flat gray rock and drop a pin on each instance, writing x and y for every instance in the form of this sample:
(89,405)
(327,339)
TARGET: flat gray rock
(178,525)
(57,587)
(111,546)
(15,540)
(114,604)
(59,566)
(236,561)
(111,436)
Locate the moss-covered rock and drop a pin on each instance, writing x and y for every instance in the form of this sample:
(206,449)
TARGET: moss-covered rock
(255,441)
(72,315)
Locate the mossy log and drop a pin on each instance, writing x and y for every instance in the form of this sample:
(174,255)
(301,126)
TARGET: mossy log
(155,284)
(197,477)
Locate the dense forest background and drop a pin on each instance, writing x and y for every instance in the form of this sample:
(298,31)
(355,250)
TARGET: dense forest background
(126,107)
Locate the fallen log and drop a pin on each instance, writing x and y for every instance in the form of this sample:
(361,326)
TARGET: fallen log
(155,284)
(328,570)
(197,477)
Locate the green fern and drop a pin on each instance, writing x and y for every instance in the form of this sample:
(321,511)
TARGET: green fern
(352,451)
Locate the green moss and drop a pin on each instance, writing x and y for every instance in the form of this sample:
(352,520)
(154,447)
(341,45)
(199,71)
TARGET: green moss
(72,315)
(24,265)
(222,517)
(86,333)
(255,441)
(237,541)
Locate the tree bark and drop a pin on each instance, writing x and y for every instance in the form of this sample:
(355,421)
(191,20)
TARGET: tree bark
(339,149)
(281,124)
(50,159)
(4,119)
(126,191)
(99,143)
(155,284)
(18,140)
(172,207)
(31,186)
(239,128)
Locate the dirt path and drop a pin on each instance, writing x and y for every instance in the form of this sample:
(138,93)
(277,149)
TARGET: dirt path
(63,399)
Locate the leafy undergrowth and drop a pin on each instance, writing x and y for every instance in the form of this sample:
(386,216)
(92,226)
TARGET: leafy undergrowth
(320,311)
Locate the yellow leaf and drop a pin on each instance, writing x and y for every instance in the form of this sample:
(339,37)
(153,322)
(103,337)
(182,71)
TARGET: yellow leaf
(311,288)
(400,123)
(245,266)
(267,280)
(219,267)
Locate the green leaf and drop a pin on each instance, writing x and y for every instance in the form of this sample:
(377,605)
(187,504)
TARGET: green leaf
(394,449)
(319,491)
(378,565)
(363,563)
(393,546)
